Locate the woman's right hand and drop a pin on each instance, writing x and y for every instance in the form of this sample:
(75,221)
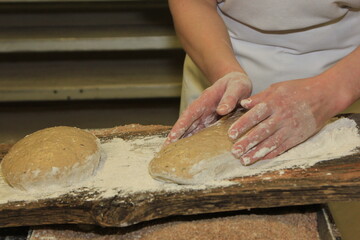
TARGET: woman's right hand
(208,44)
(219,99)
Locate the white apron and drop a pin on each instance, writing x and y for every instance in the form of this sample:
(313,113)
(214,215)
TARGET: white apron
(279,40)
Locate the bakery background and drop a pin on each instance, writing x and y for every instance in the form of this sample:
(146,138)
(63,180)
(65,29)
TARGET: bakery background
(96,64)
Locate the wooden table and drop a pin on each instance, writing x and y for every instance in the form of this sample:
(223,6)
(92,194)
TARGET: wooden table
(293,187)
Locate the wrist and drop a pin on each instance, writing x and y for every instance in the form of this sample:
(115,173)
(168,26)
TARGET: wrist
(344,76)
(341,93)
(221,72)
(218,66)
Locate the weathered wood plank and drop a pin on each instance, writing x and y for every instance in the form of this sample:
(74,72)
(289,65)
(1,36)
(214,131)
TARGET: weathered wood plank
(336,180)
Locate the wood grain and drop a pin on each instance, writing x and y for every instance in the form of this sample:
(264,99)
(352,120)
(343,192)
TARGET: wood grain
(326,181)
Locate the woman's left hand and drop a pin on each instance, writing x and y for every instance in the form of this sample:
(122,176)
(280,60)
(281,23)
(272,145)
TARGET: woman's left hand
(281,117)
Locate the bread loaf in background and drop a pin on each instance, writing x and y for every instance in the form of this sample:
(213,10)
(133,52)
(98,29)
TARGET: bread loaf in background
(52,157)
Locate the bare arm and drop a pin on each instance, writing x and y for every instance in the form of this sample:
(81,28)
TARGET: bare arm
(204,37)
(345,77)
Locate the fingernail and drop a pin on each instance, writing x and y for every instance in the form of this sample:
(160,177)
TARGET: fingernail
(223,108)
(233,134)
(245,161)
(245,102)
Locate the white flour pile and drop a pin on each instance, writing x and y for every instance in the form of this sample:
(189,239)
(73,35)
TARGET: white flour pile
(125,168)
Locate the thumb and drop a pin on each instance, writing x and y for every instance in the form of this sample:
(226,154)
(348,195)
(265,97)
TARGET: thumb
(237,87)
(230,99)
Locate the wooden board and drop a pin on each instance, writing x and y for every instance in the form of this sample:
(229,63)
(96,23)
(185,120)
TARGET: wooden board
(336,180)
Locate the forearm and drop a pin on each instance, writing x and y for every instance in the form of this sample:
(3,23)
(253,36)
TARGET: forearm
(204,36)
(344,78)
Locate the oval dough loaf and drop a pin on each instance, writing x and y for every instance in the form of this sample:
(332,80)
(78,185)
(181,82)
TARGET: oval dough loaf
(52,157)
(200,158)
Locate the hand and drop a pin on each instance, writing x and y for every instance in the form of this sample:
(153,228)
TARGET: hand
(281,117)
(219,99)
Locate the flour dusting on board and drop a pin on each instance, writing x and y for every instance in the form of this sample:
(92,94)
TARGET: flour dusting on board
(337,139)
(124,170)
(125,165)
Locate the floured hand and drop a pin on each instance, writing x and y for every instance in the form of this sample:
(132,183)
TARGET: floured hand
(219,99)
(280,118)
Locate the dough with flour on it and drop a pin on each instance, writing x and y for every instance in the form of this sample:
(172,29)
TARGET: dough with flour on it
(200,158)
(52,157)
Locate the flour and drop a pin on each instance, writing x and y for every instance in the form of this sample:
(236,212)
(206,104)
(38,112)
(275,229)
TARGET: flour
(124,168)
(335,140)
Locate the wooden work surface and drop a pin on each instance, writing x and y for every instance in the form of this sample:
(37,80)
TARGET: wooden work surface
(335,180)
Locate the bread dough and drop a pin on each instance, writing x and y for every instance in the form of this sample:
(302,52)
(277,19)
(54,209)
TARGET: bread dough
(52,157)
(200,158)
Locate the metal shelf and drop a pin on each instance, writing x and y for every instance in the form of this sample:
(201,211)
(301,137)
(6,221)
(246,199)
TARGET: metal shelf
(87,39)
(88,49)
(91,1)
(64,80)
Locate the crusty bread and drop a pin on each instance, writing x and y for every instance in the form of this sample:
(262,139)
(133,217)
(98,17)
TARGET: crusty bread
(199,158)
(57,156)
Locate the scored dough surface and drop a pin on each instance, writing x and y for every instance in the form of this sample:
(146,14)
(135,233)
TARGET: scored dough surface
(57,156)
(199,158)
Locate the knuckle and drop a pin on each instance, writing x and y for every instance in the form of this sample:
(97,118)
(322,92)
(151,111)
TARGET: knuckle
(266,127)
(259,111)
(208,92)
(276,141)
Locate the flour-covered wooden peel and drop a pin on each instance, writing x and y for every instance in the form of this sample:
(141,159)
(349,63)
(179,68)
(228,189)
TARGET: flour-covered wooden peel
(200,158)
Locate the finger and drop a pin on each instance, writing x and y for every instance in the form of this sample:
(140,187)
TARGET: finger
(235,91)
(288,144)
(180,129)
(205,121)
(185,121)
(276,152)
(249,120)
(252,101)
(259,133)
(192,128)
(264,148)
(210,119)
(281,149)
(174,135)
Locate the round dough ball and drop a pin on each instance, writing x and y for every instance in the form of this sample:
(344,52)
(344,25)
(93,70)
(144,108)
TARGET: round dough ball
(52,157)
